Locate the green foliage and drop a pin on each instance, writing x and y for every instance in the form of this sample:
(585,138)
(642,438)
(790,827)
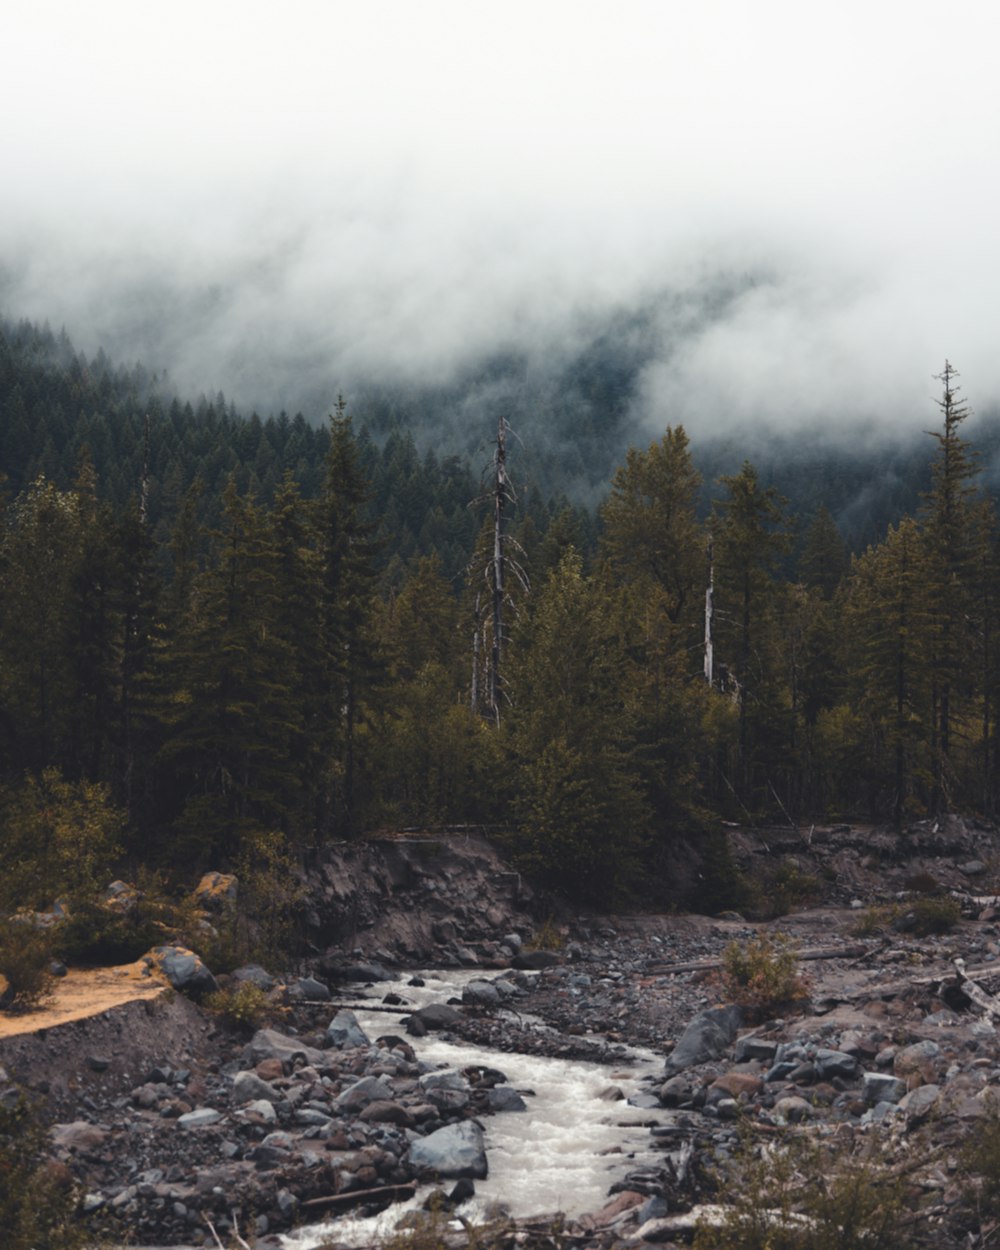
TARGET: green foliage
(25,956)
(921,917)
(980,1163)
(95,934)
(262,926)
(243,1007)
(782,889)
(762,974)
(38,1198)
(547,937)
(796,1194)
(61,841)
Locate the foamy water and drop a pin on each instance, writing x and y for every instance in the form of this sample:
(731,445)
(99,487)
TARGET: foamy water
(562,1154)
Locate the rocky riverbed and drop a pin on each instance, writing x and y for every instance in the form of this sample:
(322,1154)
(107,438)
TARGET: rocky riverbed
(168,1120)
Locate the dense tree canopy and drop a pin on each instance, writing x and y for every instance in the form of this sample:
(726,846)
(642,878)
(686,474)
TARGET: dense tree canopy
(220,628)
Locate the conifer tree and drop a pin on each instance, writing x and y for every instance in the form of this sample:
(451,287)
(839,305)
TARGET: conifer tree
(954,539)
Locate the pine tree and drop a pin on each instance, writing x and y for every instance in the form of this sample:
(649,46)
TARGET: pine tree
(954,540)
(749,536)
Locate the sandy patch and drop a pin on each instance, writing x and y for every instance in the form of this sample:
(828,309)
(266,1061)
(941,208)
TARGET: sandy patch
(84,992)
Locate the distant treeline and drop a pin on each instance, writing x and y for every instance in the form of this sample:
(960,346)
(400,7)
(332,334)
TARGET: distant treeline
(236,626)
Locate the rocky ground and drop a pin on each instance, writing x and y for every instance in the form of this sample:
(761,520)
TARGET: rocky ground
(167,1118)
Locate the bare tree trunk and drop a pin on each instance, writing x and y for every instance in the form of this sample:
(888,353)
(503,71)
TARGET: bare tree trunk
(709,618)
(499,498)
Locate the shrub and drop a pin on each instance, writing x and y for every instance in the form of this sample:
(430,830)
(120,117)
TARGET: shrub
(244,1007)
(762,974)
(546,938)
(96,935)
(25,956)
(921,917)
(60,840)
(800,1195)
(38,1200)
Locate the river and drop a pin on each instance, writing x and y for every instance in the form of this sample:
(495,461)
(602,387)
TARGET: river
(562,1154)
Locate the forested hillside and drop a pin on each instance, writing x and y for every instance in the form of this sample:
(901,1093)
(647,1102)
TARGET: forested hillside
(215,628)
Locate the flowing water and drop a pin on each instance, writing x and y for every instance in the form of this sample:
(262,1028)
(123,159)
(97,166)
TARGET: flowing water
(562,1154)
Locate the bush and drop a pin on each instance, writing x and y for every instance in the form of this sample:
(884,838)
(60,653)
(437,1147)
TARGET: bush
(244,1007)
(95,935)
(38,1198)
(25,956)
(547,937)
(762,975)
(60,840)
(921,917)
(800,1195)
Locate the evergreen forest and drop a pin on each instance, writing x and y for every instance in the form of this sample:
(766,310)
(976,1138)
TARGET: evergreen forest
(217,627)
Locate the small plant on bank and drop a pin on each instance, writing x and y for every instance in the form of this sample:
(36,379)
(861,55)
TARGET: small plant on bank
(921,917)
(244,1007)
(38,1197)
(25,958)
(762,975)
(547,937)
(796,1194)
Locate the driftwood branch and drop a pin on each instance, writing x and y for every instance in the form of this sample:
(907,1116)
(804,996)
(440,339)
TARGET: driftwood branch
(813,953)
(355,1197)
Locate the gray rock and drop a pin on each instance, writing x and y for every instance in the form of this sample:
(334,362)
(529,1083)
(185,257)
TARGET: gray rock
(708,1036)
(881,1087)
(343,1031)
(455,1150)
(185,971)
(792,1110)
(270,1044)
(972,868)
(481,994)
(513,940)
(831,1063)
(248,1087)
(752,1047)
(361,1093)
(263,1108)
(365,972)
(308,989)
(677,1091)
(199,1118)
(532,961)
(920,1102)
(444,1080)
(504,1098)
(432,1017)
(254,974)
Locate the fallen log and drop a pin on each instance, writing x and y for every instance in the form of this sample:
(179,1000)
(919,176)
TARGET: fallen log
(357,1197)
(813,953)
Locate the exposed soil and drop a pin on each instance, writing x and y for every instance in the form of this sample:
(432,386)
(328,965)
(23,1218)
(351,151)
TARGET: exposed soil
(84,992)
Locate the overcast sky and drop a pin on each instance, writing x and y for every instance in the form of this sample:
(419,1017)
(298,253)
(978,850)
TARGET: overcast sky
(390,187)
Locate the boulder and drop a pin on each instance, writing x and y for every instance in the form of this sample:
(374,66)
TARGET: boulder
(308,990)
(453,1151)
(254,974)
(248,1087)
(344,1032)
(185,971)
(216,889)
(361,1093)
(831,1063)
(481,994)
(504,1098)
(533,961)
(290,1051)
(881,1087)
(432,1017)
(708,1036)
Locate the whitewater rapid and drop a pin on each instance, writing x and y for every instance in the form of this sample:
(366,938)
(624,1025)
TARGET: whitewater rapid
(562,1154)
